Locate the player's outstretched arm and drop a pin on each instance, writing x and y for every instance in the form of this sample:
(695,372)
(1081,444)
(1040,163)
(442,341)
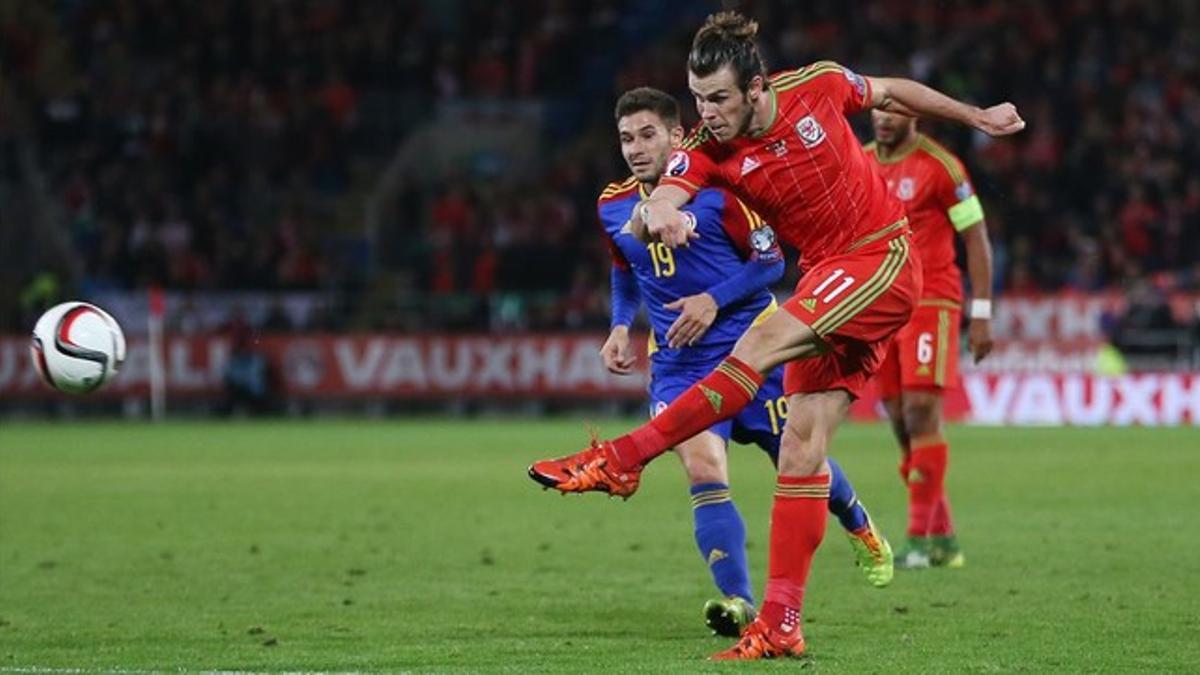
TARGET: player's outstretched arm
(897,94)
(660,217)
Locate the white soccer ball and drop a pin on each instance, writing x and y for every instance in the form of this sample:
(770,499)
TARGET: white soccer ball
(77,347)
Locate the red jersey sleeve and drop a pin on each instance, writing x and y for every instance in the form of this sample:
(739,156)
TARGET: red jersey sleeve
(955,194)
(847,89)
(945,184)
(754,239)
(692,166)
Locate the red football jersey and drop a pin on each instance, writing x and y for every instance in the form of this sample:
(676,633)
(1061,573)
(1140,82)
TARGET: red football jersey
(939,199)
(806,173)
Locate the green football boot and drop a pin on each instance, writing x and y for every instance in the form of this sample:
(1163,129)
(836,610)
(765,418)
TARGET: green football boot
(944,552)
(872,553)
(916,554)
(729,616)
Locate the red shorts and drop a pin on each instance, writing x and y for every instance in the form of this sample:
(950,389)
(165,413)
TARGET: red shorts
(855,302)
(924,355)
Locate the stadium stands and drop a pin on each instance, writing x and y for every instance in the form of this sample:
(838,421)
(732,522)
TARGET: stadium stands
(223,145)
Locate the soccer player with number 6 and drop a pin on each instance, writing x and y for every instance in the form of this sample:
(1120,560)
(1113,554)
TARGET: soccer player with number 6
(783,145)
(922,361)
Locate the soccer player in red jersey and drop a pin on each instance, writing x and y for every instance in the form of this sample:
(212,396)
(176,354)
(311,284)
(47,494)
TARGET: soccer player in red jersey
(922,361)
(783,145)
(699,300)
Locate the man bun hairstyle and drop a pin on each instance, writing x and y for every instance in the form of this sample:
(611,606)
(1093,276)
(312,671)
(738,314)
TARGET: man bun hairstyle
(656,101)
(727,38)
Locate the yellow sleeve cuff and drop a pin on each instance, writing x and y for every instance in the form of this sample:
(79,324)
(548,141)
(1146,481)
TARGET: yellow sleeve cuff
(966,213)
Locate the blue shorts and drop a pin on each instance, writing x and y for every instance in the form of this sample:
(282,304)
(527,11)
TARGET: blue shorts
(759,423)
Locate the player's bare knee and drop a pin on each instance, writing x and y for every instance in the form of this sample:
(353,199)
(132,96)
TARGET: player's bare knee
(780,338)
(802,455)
(895,411)
(703,462)
(706,470)
(922,414)
(707,474)
(754,348)
(812,420)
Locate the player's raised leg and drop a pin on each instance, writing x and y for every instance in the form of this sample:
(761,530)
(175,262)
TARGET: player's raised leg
(856,330)
(798,520)
(615,466)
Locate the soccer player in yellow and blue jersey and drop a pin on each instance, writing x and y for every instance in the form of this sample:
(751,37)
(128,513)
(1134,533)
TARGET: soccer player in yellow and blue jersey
(700,299)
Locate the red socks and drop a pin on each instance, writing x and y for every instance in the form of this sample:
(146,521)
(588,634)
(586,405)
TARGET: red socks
(926,483)
(941,525)
(719,396)
(798,519)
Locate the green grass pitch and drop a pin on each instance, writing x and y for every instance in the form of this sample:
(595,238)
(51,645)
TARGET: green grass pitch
(421,546)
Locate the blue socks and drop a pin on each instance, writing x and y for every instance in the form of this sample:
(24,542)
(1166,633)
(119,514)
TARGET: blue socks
(842,501)
(721,534)
(721,537)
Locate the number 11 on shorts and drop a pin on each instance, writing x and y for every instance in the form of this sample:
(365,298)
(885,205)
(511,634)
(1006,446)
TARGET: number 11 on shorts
(846,282)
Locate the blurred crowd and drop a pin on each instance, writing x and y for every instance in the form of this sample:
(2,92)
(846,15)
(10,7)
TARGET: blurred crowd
(219,144)
(1103,188)
(1102,191)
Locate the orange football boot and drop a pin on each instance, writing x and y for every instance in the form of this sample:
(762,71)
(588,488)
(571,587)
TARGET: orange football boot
(590,470)
(763,642)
